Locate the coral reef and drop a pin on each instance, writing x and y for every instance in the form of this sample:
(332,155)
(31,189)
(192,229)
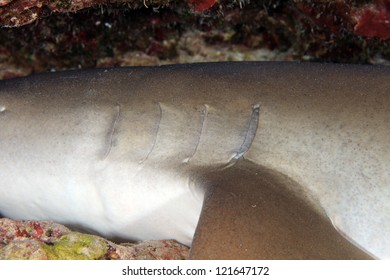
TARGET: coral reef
(364,19)
(156,32)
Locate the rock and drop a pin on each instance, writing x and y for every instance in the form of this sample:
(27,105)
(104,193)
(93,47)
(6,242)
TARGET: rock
(85,33)
(43,240)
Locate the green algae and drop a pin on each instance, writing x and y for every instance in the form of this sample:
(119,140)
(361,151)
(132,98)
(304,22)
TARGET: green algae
(77,246)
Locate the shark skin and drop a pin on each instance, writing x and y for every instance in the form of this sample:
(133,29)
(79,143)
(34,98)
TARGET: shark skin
(249,160)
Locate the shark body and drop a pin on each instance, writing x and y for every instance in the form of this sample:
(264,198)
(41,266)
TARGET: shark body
(266,160)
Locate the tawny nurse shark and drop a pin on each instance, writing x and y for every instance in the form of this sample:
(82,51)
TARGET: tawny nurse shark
(241,160)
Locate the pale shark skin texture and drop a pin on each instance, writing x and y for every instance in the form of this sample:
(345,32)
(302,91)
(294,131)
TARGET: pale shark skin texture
(131,153)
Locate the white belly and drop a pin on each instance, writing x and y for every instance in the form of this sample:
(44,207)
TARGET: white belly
(123,201)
